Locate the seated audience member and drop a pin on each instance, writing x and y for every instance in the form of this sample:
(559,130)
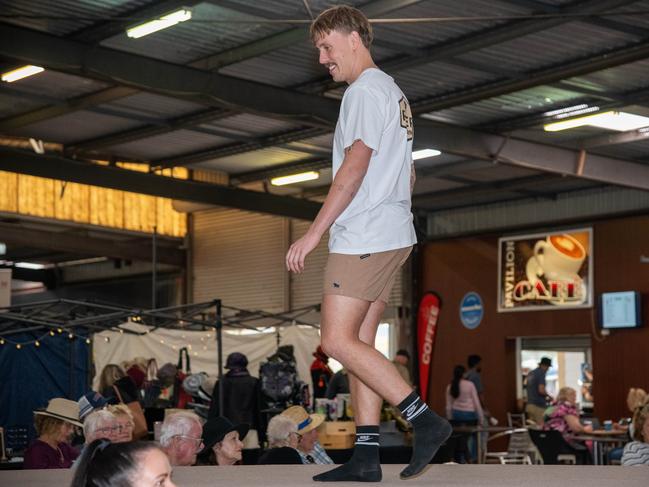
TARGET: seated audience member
(100,424)
(55,427)
(223,442)
(308,447)
(564,417)
(282,443)
(124,423)
(90,402)
(636,452)
(135,464)
(180,437)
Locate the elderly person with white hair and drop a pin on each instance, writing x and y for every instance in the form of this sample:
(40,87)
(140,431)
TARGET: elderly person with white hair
(180,437)
(100,424)
(282,441)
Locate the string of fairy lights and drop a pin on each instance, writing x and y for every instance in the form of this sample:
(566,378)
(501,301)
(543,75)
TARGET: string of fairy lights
(89,339)
(37,342)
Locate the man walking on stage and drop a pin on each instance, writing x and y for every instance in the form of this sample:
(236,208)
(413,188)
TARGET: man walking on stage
(368,215)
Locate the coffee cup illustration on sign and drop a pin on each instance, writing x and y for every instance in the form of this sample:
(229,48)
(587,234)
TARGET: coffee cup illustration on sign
(559,257)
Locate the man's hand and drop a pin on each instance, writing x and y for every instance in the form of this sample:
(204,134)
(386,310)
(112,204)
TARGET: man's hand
(297,252)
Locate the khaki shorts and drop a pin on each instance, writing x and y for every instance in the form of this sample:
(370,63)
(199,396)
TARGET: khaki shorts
(368,276)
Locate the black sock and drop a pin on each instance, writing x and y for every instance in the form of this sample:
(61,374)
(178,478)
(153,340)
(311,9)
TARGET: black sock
(430,432)
(364,465)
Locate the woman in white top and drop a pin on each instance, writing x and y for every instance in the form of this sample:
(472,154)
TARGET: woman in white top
(637,452)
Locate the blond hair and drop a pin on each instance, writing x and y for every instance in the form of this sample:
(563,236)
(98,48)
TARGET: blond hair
(47,425)
(639,419)
(342,18)
(108,376)
(120,410)
(564,392)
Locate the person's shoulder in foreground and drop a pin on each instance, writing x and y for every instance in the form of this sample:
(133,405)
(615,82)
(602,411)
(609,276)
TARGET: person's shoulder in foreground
(636,453)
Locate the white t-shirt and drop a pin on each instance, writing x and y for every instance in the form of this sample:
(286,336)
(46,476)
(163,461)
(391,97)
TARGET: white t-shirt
(379,218)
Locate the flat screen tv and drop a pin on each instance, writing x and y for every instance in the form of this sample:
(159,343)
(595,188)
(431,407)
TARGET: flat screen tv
(620,310)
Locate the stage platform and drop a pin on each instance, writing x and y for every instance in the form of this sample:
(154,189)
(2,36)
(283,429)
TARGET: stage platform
(436,475)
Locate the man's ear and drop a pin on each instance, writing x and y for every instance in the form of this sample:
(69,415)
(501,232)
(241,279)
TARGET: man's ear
(355,40)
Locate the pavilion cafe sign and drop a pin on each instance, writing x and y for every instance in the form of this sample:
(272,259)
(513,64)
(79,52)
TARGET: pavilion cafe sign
(545,271)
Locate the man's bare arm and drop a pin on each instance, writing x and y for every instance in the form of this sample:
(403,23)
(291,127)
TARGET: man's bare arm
(413,177)
(343,189)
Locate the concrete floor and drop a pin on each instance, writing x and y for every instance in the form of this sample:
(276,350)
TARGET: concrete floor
(437,475)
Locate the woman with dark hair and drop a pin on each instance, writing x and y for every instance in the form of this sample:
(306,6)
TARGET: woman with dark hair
(135,464)
(223,442)
(462,403)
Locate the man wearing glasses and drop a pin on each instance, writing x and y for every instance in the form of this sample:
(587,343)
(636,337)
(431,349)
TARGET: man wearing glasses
(180,437)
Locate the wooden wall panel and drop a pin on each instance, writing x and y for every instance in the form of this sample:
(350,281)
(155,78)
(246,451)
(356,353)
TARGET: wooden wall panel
(455,267)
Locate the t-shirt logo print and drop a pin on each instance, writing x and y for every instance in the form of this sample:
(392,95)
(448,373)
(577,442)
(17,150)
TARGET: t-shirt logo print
(406,117)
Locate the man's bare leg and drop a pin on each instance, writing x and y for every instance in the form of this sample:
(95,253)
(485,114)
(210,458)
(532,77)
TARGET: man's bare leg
(365,464)
(365,402)
(342,319)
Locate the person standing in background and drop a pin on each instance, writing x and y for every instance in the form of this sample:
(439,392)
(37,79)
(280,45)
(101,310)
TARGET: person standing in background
(321,373)
(537,396)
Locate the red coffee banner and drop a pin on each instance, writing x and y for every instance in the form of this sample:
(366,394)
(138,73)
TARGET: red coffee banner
(545,271)
(429,307)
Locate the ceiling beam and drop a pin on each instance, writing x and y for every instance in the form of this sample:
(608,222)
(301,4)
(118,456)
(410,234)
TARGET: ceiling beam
(542,7)
(613,139)
(532,155)
(61,168)
(585,65)
(241,53)
(617,100)
(238,148)
(83,244)
(126,136)
(473,41)
(480,193)
(311,164)
(285,38)
(164,78)
(179,80)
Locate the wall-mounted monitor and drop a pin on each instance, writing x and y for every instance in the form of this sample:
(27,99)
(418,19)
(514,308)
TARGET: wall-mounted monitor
(620,310)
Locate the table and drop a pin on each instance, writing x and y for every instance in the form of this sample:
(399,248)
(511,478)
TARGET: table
(601,439)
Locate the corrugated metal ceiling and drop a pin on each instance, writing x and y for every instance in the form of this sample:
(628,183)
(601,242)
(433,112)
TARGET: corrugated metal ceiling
(297,64)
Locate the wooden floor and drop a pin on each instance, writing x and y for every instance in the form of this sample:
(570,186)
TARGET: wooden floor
(436,475)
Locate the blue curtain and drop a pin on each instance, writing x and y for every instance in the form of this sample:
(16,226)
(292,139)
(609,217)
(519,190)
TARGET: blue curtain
(31,376)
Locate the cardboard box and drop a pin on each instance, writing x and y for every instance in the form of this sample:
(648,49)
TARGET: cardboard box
(337,435)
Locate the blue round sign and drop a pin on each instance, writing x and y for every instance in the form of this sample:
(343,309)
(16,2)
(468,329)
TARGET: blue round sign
(471,310)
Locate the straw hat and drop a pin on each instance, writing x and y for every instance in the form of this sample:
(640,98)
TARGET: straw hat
(63,409)
(305,422)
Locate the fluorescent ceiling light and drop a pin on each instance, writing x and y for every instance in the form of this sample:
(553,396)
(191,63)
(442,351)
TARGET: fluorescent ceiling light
(29,265)
(21,73)
(561,111)
(159,24)
(295,178)
(619,121)
(424,153)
